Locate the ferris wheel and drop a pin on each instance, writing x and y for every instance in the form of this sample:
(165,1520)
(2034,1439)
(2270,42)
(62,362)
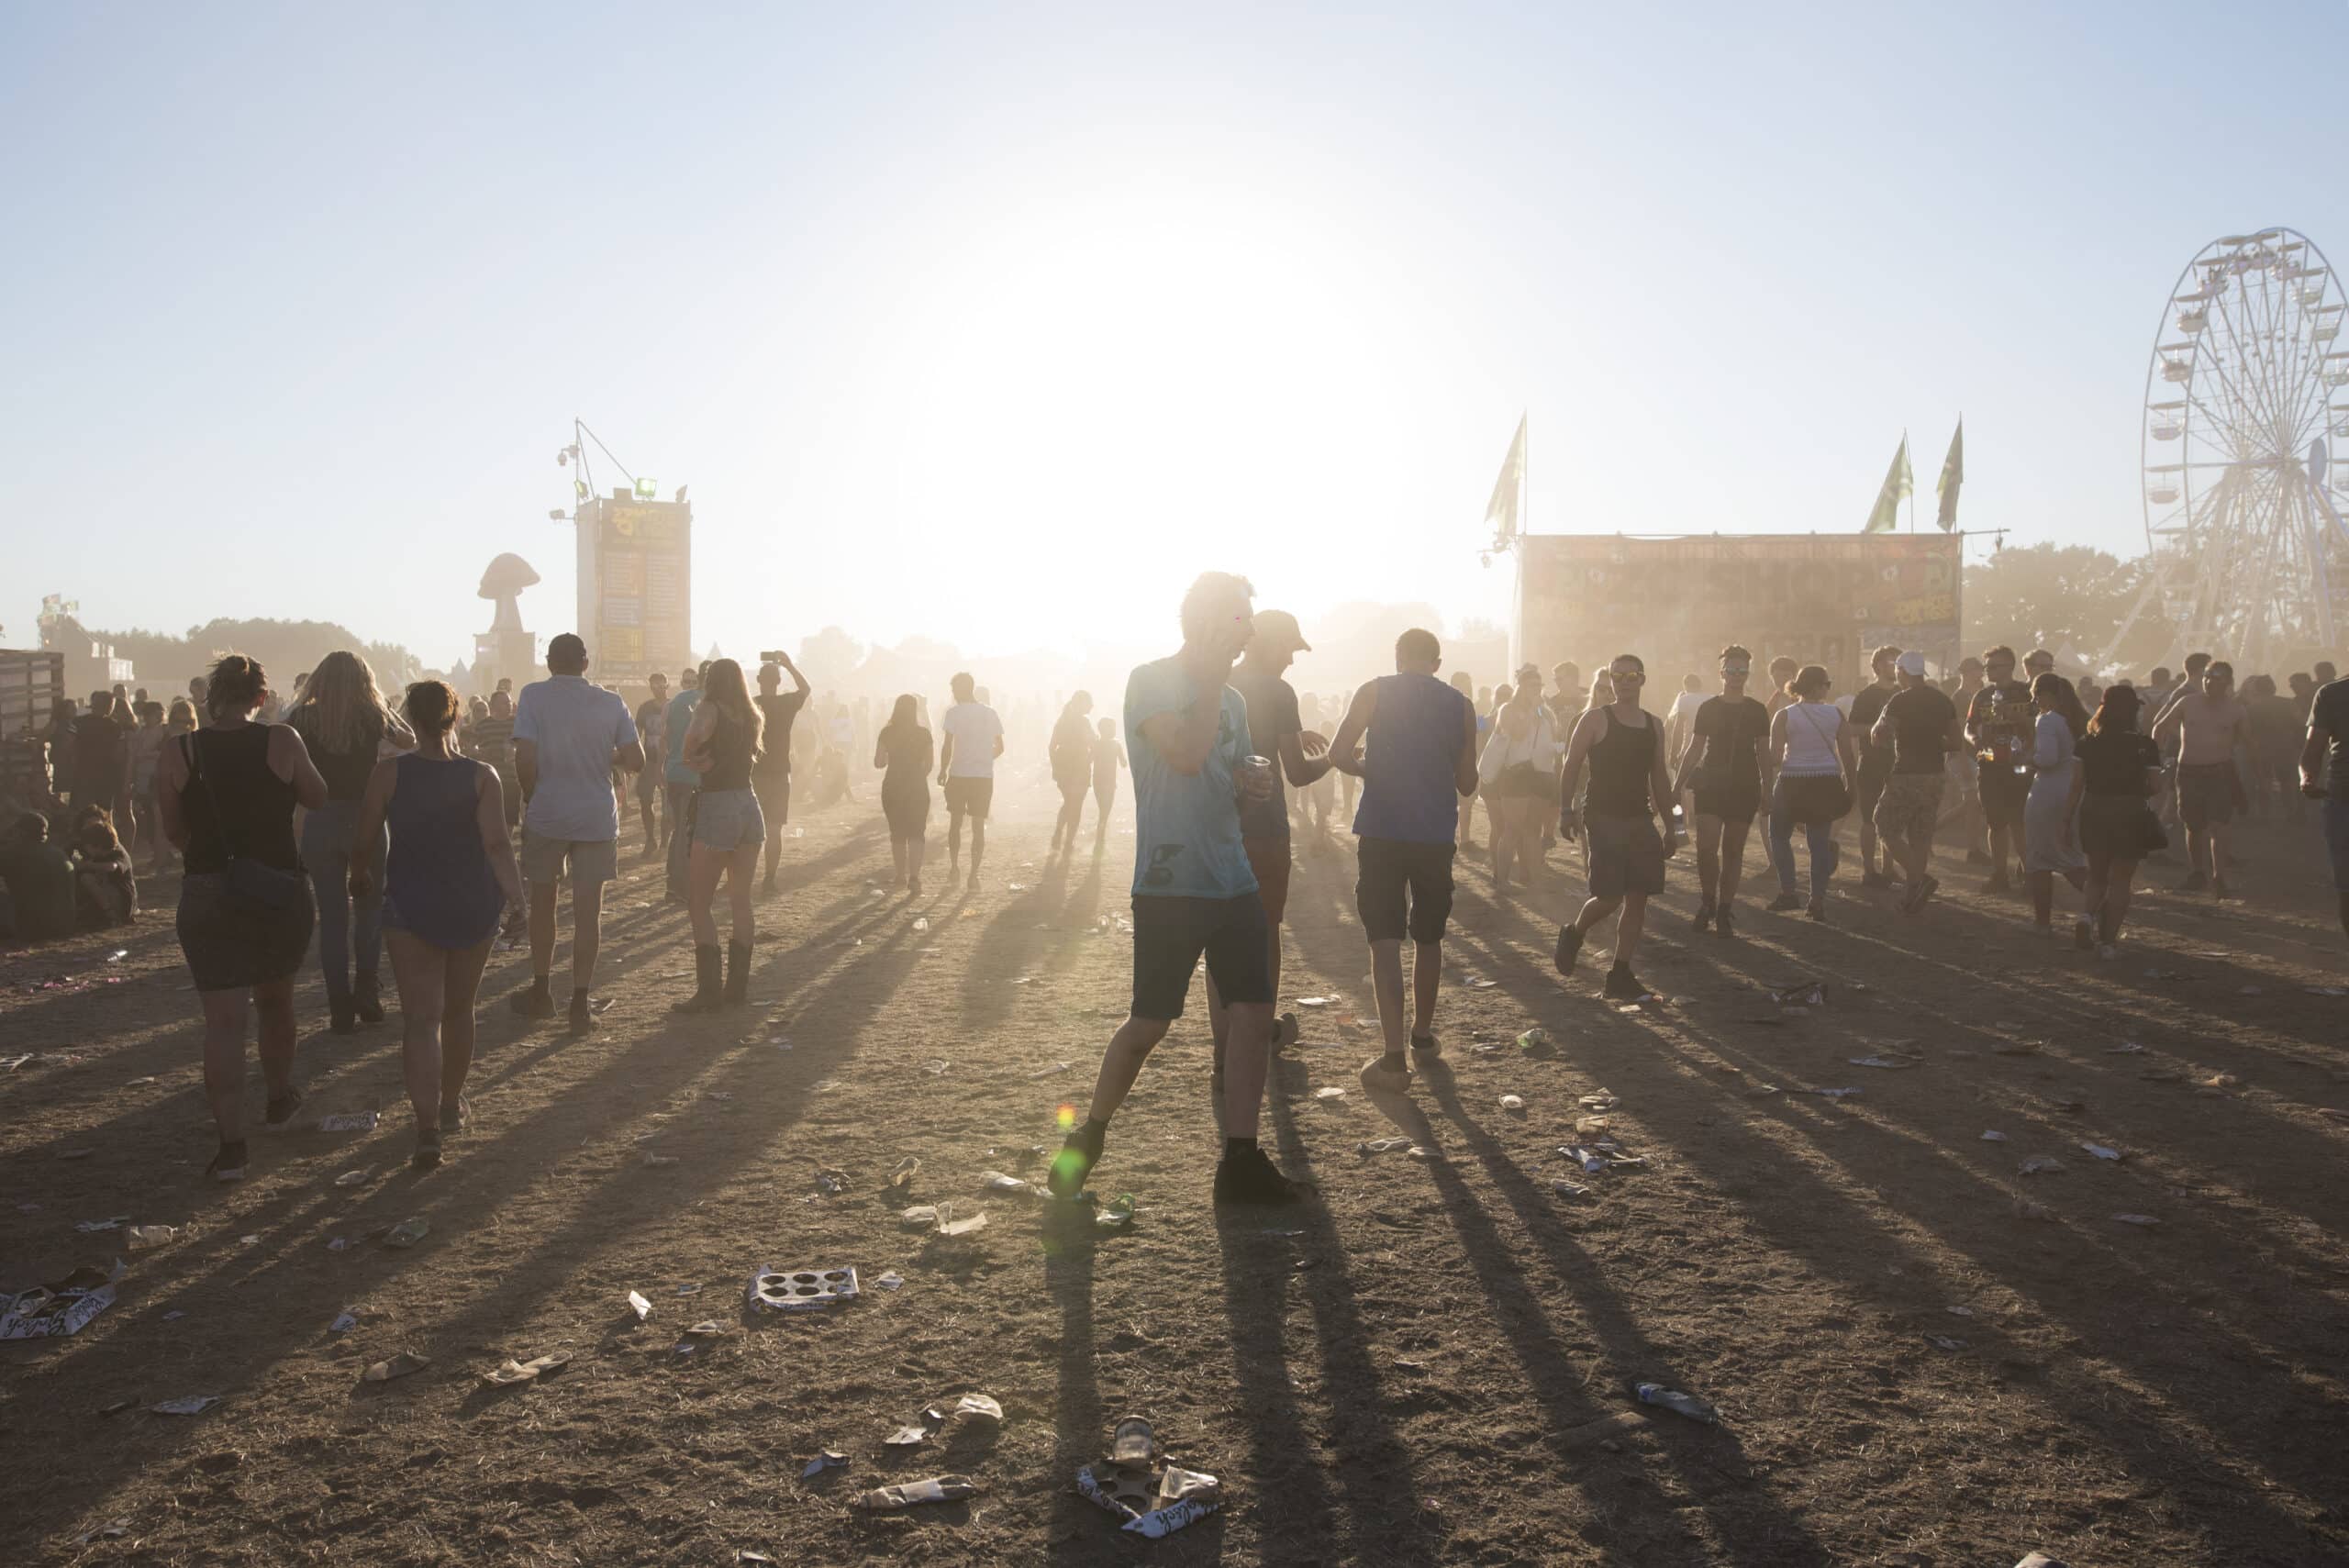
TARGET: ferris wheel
(2246,391)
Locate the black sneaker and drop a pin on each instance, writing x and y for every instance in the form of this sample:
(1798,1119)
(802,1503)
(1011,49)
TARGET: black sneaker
(1247,1176)
(229,1165)
(1785,902)
(1080,1152)
(1705,913)
(1724,923)
(583,1021)
(428,1150)
(1286,1031)
(1622,985)
(534,1001)
(1569,949)
(1817,908)
(455,1114)
(280,1111)
(1874,879)
(1919,893)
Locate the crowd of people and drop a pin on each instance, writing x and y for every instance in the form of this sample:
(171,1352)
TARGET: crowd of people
(426,828)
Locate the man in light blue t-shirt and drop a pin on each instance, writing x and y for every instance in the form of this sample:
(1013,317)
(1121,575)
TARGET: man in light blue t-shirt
(568,737)
(1186,735)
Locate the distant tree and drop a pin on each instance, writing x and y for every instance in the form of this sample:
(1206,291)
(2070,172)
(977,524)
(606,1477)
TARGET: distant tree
(2045,595)
(286,649)
(830,656)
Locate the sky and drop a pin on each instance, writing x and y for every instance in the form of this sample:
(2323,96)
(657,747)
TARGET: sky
(995,324)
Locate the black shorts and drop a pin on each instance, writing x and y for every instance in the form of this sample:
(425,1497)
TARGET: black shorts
(970,798)
(1730,803)
(1403,888)
(1171,933)
(2003,792)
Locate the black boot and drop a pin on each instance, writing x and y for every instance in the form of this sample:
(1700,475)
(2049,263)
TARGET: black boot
(706,996)
(366,998)
(738,973)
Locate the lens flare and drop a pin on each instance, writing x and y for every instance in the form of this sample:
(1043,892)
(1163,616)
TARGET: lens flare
(1066,1117)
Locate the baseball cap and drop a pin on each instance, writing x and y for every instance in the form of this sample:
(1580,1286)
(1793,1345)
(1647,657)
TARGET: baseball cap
(1910,664)
(1280,627)
(566,645)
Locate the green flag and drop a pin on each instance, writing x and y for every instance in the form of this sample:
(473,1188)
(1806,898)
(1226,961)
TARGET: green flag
(1952,475)
(1898,485)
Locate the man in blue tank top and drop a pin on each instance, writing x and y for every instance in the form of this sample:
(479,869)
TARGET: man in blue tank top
(1194,893)
(1622,745)
(1418,763)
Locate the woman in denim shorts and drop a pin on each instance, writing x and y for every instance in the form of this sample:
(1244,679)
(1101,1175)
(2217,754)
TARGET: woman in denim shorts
(722,744)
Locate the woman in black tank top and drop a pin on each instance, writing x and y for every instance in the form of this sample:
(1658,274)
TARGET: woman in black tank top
(226,794)
(1622,762)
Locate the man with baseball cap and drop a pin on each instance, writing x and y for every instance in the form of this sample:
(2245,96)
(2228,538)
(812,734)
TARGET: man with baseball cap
(1921,724)
(1278,731)
(568,737)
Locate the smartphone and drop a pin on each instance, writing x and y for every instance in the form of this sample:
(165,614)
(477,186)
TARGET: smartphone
(772,656)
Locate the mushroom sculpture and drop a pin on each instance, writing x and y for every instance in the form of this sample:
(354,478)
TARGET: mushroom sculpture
(503,582)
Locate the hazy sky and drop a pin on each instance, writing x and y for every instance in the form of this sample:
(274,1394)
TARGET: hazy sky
(997,323)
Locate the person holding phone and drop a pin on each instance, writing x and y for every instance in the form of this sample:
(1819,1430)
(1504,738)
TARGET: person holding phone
(770,774)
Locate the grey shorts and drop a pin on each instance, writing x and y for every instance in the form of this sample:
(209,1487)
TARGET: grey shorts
(583,859)
(1626,856)
(725,819)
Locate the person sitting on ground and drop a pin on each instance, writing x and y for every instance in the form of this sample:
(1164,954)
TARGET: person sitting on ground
(37,878)
(105,889)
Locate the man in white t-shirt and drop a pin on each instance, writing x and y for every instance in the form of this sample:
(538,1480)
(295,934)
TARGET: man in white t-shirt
(1680,719)
(972,740)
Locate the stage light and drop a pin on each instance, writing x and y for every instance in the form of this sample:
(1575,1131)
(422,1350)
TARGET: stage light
(557,515)
(579,488)
(646,489)
(562,458)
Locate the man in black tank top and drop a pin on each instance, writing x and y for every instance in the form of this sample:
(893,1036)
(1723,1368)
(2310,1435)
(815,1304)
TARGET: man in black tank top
(1622,745)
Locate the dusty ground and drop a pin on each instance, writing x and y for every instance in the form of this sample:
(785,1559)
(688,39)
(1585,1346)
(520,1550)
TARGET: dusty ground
(1429,1366)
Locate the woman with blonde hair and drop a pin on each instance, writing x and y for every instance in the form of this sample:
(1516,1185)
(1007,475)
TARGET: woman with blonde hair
(344,723)
(720,745)
(1516,778)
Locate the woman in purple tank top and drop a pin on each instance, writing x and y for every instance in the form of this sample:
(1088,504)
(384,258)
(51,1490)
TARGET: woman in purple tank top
(448,875)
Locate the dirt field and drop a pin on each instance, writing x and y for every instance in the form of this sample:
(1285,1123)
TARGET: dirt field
(1430,1365)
